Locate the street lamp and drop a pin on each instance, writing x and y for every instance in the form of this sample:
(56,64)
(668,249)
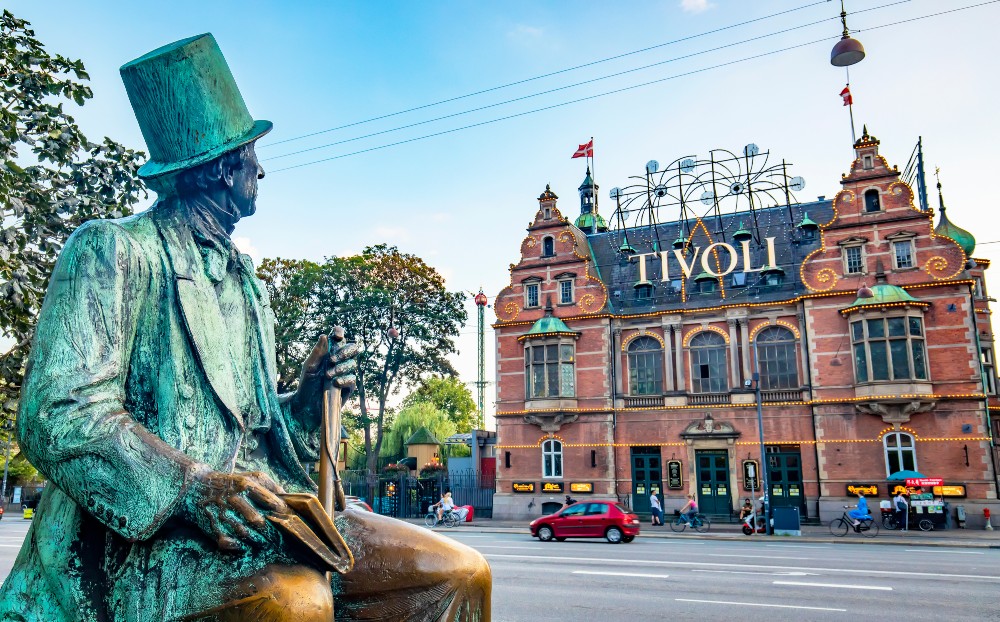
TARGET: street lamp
(760,429)
(8,427)
(848,51)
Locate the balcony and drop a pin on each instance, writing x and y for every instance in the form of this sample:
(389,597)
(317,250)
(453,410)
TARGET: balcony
(643,401)
(709,399)
(785,395)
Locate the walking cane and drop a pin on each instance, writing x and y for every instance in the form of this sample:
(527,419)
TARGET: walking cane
(331,492)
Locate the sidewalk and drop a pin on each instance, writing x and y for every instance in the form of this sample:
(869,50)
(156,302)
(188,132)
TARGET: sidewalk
(960,538)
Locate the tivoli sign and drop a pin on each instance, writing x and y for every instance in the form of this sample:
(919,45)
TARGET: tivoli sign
(712,251)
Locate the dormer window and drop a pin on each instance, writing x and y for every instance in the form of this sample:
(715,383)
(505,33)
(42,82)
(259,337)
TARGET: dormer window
(872,203)
(548,247)
(547,214)
(867,163)
(643,291)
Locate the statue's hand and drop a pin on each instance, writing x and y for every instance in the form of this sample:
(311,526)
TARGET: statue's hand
(325,364)
(231,509)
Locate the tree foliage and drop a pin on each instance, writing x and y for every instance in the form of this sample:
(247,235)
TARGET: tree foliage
(410,419)
(449,395)
(292,286)
(52,179)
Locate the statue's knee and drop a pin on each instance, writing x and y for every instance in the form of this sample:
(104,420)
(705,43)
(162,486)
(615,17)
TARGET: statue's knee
(277,594)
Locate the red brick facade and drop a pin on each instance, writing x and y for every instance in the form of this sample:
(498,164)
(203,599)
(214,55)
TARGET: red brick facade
(825,428)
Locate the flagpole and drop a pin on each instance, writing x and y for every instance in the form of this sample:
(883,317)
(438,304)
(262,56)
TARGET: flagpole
(850,106)
(593,171)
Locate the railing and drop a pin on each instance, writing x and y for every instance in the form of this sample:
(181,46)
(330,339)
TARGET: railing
(403,495)
(789,395)
(638,401)
(705,399)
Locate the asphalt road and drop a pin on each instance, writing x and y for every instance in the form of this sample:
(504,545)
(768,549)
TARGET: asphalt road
(745,580)
(755,579)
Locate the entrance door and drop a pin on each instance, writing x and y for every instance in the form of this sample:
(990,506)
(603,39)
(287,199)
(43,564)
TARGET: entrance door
(784,475)
(647,477)
(713,481)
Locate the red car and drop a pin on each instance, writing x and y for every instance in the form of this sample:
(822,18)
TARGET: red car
(588,519)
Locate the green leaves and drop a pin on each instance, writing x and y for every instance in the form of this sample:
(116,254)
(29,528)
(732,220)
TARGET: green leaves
(52,179)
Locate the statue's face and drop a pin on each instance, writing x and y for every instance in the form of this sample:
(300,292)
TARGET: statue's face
(244,188)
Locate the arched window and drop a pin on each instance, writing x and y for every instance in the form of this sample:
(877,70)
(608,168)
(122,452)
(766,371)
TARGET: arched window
(871,201)
(552,458)
(548,247)
(900,454)
(708,363)
(645,367)
(776,360)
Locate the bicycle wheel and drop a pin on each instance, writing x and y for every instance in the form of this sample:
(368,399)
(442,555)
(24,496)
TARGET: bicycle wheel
(889,522)
(450,520)
(839,527)
(678,524)
(702,524)
(868,528)
(431,519)
(925,524)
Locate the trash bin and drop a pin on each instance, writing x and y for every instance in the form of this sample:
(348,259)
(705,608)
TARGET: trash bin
(786,522)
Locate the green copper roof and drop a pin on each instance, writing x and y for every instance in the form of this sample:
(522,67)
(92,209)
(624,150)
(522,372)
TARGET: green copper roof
(884,294)
(948,229)
(679,242)
(626,248)
(773,269)
(588,181)
(586,221)
(807,222)
(422,436)
(742,233)
(548,325)
(704,276)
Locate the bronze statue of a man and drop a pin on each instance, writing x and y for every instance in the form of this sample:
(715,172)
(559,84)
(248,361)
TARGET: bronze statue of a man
(150,404)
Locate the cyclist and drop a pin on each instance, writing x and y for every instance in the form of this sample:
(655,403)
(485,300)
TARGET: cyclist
(861,513)
(690,510)
(446,504)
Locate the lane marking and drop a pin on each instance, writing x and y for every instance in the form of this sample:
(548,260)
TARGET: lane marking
(952,552)
(798,546)
(759,574)
(622,574)
(753,555)
(730,602)
(504,546)
(604,560)
(834,585)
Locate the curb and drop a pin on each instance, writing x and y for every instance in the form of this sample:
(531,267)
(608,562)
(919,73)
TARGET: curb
(729,536)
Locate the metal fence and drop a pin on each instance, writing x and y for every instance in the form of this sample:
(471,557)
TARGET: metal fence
(402,495)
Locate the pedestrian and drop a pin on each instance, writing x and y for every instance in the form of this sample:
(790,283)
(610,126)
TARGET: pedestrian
(861,512)
(902,507)
(569,501)
(656,508)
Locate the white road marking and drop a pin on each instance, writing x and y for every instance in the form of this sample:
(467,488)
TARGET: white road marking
(936,552)
(730,602)
(753,555)
(783,573)
(622,574)
(10,546)
(799,546)
(504,546)
(897,573)
(462,535)
(835,585)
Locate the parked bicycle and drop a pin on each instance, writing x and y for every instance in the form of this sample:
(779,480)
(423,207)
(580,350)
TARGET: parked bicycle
(891,522)
(449,518)
(699,523)
(866,526)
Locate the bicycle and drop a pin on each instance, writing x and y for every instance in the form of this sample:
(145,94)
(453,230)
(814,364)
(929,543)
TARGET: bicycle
(867,526)
(889,521)
(449,518)
(699,523)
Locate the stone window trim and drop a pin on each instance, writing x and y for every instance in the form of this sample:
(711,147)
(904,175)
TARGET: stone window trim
(877,353)
(854,263)
(709,354)
(548,361)
(988,362)
(548,246)
(872,196)
(645,366)
(904,255)
(566,291)
(532,292)
(900,452)
(552,459)
(776,353)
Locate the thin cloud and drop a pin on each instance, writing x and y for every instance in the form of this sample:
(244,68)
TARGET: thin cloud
(696,6)
(246,246)
(525,33)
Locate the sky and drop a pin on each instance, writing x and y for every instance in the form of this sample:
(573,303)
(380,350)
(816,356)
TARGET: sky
(462,199)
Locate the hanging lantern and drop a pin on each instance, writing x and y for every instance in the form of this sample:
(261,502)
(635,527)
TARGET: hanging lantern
(848,50)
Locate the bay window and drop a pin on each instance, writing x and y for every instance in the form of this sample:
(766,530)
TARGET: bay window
(549,370)
(889,349)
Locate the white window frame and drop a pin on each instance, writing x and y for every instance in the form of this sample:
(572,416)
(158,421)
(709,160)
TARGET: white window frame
(979,292)
(899,450)
(562,284)
(908,244)
(551,450)
(989,370)
(847,261)
(867,162)
(532,287)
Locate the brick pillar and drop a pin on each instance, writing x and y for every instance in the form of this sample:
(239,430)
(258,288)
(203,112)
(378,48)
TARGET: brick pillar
(679,357)
(745,337)
(668,358)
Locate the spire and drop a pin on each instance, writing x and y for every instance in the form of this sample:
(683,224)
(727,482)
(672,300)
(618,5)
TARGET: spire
(948,229)
(589,220)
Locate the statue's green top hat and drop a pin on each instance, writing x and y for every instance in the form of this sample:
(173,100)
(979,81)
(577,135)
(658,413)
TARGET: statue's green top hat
(188,106)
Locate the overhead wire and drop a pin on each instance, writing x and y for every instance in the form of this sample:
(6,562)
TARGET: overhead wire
(628,88)
(549,75)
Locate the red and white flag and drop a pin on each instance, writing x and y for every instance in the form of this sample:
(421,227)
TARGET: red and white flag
(846,94)
(585,151)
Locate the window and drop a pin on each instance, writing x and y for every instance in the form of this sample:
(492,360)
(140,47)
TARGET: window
(708,363)
(989,371)
(808,234)
(779,369)
(548,213)
(566,292)
(867,163)
(645,367)
(979,291)
(900,454)
(887,349)
(739,279)
(531,295)
(552,461)
(903,253)
(853,263)
(871,201)
(644,291)
(577,509)
(706,286)
(548,371)
(548,247)
(596,509)
(773,277)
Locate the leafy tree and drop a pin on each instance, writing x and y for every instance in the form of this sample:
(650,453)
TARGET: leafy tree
(410,419)
(52,179)
(449,395)
(397,309)
(292,286)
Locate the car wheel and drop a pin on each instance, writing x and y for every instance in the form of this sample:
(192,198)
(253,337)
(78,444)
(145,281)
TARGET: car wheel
(545,533)
(614,535)
(560,539)
(627,539)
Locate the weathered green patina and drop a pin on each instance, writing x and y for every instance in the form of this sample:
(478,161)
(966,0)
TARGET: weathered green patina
(150,404)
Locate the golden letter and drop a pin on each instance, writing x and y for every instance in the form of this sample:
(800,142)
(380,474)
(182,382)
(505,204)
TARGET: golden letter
(685,268)
(708,251)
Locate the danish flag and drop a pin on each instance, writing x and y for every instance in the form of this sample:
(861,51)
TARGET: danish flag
(586,150)
(846,94)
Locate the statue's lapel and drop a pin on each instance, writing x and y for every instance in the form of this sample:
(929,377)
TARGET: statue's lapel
(200,310)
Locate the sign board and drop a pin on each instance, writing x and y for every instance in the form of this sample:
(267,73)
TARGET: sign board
(924,481)
(906,490)
(17,495)
(524,487)
(951,490)
(751,479)
(674,475)
(868,490)
(584,487)
(552,487)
